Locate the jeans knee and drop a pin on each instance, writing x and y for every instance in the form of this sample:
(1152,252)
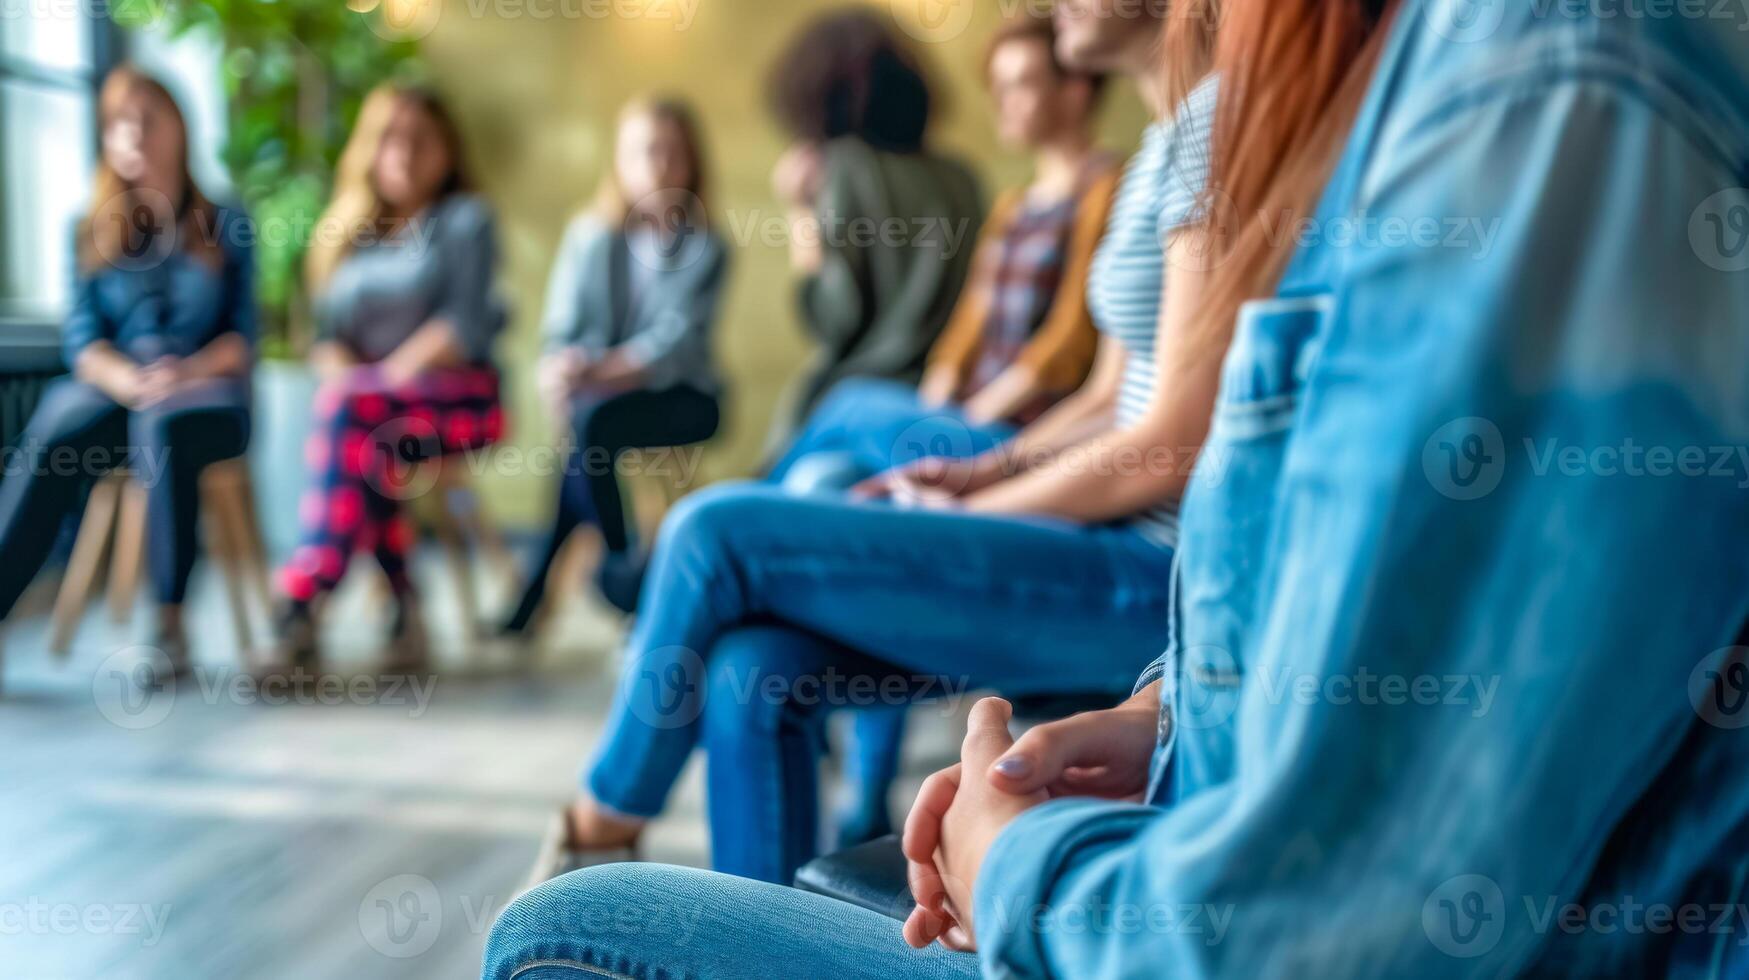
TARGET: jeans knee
(543,924)
(708,519)
(615,918)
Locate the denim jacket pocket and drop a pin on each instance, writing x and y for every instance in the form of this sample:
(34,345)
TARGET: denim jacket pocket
(1275,345)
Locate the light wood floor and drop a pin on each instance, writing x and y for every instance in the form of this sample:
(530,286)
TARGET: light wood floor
(203,834)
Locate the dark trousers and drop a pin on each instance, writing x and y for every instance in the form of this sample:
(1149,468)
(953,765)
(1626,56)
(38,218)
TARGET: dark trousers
(78,434)
(601,430)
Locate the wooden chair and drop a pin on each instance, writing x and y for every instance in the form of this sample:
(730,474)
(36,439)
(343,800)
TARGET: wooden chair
(115,524)
(462,527)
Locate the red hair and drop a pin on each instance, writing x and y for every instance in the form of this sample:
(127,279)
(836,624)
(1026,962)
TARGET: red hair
(1293,74)
(113,227)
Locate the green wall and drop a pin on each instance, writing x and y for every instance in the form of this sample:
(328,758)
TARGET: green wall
(536,84)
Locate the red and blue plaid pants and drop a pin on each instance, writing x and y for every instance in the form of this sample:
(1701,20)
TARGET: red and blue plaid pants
(368,455)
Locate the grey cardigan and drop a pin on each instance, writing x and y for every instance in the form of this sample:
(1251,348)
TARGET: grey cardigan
(664,323)
(441,264)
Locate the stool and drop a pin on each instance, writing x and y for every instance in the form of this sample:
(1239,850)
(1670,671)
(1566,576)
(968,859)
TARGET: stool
(115,523)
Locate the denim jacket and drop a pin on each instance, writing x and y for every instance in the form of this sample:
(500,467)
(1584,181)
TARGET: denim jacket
(170,305)
(1464,561)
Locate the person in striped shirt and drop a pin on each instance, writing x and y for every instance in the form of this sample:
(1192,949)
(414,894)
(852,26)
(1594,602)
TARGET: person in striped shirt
(1039,567)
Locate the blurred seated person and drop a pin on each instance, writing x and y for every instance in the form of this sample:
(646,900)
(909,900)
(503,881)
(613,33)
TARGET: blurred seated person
(881,225)
(935,577)
(631,303)
(160,342)
(1020,336)
(402,278)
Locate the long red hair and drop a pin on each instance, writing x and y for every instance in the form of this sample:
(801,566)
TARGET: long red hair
(1293,74)
(118,221)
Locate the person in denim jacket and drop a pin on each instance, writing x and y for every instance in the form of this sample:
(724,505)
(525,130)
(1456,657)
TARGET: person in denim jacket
(160,339)
(1449,654)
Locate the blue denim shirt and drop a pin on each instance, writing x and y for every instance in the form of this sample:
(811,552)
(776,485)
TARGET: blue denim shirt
(1464,554)
(167,305)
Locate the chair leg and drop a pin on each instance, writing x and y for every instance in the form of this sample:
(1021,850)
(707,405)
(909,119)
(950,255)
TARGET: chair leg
(226,507)
(130,551)
(254,543)
(461,569)
(222,545)
(81,573)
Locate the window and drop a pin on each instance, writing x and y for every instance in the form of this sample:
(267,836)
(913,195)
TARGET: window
(51,58)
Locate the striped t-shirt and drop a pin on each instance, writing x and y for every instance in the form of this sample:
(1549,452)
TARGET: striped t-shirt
(1161,191)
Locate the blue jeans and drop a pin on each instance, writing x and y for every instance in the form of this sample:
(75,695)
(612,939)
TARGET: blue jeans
(937,602)
(167,445)
(867,426)
(646,921)
(863,427)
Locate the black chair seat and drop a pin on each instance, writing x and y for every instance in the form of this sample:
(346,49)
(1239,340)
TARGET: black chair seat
(871,876)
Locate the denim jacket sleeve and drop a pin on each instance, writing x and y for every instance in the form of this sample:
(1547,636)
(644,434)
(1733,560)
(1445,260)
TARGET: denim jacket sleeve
(241,312)
(1455,504)
(85,322)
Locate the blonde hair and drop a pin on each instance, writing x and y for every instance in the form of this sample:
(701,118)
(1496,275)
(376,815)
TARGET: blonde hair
(609,204)
(108,229)
(356,207)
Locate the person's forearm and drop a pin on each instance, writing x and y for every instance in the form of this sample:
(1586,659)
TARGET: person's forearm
(805,254)
(1082,416)
(433,345)
(226,357)
(103,367)
(1005,396)
(617,369)
(330,357)
(1106,479)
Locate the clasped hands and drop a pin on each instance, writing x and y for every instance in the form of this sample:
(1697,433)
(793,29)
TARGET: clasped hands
(961,810)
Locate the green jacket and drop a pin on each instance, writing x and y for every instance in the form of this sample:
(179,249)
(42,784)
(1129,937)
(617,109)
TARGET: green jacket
(897,232)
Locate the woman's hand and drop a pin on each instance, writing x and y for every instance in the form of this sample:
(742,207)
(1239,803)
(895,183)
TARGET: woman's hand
(933,481)
(558,377)
(331,360)
(1096,753)
(126,383)
(939,386)
(957,816)
(798,175)
(110,371)
(161,379)
(796,181)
